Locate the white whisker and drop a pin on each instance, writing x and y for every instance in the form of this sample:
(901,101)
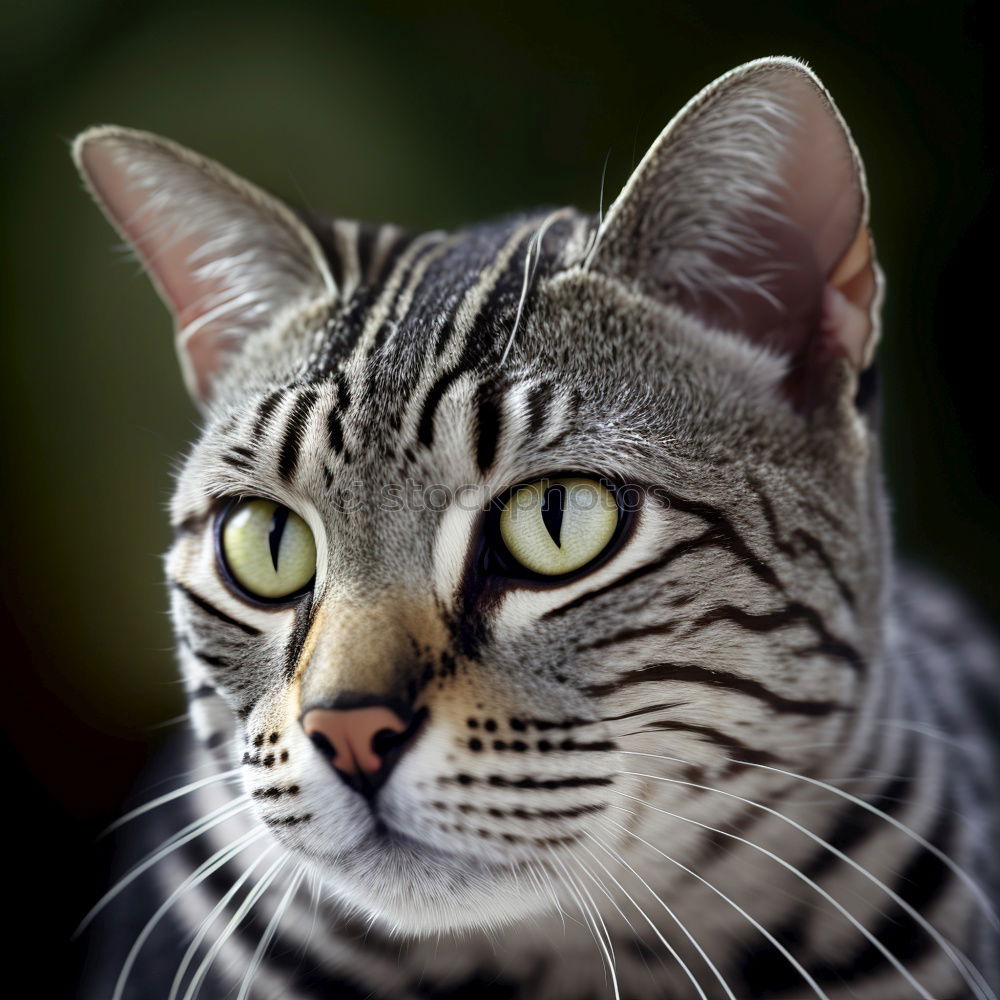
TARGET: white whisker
(269,932)
(170,797)
(955,868)
(202,872)
(858,926)
(670,948)
(591,923)
(793,961)
(597,910)
(206,924)
(189,833)
(252,898)
(673,916)
(953,953)
(531,257)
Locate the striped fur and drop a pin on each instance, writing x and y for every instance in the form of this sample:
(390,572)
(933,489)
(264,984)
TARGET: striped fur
(746,756)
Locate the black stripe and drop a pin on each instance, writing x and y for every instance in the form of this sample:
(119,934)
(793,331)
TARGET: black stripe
(266,411)
(287,820)
(805,538)
(531,784)
(289,457)
(713,537)
(389,323)
(538,407)
(200,602)
(693,674)
(488,424)
(334,430)
(792,614)
(921,883)
(728,537)
(275,791)
(673,553)
(627,634)
(343,400)
(730,744)
(663,706)
(480,345)
(425,431)
(525,814)
(814,545)
(238,463)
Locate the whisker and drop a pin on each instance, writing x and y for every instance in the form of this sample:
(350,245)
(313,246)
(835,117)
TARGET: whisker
(202,872)
(169,797)
(677,958)
(546,888)
(597,909)
(792,960)
(269,932)
(532,256)
(206,924)
(591,923)
(189,833)
(673,916)
(808,881)
(939,939)
(953,866)
(252,898)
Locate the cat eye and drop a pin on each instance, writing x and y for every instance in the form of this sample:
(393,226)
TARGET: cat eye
(265,550)
(554,527)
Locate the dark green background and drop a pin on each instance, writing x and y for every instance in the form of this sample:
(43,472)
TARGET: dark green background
(425,115)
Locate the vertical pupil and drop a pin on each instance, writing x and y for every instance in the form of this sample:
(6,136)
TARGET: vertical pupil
(553,504)
(275,532)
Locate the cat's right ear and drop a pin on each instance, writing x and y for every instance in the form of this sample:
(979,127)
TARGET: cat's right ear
(750,212)
(225,257)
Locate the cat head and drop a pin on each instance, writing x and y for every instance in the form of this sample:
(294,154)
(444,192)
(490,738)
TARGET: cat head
(479,520)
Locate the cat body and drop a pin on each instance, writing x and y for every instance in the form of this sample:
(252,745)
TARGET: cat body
(728,750)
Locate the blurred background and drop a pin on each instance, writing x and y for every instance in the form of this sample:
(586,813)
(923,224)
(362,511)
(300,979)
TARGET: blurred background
(428,115)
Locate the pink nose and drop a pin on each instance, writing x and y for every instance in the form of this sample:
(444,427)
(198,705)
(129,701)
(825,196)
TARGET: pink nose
(362,744)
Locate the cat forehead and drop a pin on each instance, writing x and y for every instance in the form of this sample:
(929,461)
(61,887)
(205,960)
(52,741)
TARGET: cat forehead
(484,298)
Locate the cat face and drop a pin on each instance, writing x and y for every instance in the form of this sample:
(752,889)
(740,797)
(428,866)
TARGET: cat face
(497,545)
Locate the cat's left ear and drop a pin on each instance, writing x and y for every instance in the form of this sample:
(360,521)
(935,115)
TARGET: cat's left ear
(750,211)
(225,257)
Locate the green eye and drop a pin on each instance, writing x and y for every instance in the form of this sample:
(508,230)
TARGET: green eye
(555,526)
(267,549)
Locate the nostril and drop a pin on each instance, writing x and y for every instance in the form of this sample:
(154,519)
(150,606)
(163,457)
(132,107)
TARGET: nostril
(323,744)
(385,740)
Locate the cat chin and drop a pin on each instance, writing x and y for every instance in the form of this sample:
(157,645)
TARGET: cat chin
(418,891)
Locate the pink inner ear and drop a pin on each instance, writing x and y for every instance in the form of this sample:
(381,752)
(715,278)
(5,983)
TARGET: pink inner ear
(164,251)
(224,257)
(807,288)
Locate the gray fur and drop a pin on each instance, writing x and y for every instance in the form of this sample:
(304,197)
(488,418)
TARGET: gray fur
(750,629)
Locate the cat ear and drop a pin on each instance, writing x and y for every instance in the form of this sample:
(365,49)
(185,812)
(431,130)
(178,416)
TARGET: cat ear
(224,256)
(750,211)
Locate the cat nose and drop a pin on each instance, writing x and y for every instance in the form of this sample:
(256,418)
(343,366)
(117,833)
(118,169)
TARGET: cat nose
(363,744)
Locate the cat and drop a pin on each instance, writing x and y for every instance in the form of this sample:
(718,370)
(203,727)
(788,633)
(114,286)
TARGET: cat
(534,599)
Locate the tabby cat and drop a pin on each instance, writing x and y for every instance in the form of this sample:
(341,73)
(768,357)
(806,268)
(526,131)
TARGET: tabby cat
(533,595)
